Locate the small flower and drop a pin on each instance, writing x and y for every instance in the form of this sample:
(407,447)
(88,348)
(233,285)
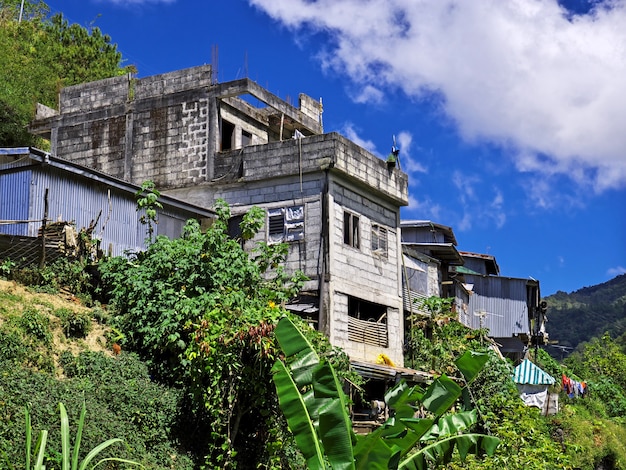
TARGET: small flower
(272,304)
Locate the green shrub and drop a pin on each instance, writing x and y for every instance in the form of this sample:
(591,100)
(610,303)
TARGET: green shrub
(11,345)
(36,324)
(75,324)
(121,400)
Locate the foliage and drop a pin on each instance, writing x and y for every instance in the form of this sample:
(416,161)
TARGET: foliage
(436,340)
(40,55)
(68,463)
(579,316)
(53,277)
(74,323)
(120,397)
(600,357)
(316,409)
(6,268)
(148,202)
(36,324)
(201,311)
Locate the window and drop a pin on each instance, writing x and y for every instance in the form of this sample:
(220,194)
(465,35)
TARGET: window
(285,224)
(246,138)
(226,141)
(367,322)
(379,240)
(351,229)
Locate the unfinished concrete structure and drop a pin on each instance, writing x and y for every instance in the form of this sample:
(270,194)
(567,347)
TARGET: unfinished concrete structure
(336,204)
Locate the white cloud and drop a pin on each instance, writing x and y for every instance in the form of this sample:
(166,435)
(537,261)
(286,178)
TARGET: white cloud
(616,271)
(470,193)
(522,73)
(409,163)
(368,94)
(426,208)
(351,133)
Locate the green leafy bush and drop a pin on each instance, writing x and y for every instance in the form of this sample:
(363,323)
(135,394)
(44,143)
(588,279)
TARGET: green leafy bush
(201,311)
(74,323)
(36,324)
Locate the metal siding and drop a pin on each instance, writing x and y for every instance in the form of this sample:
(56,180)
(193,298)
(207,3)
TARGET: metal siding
(14,201)
(504,302)
(80,200)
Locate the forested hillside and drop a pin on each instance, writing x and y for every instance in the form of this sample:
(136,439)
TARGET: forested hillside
(577,317)
(39,55)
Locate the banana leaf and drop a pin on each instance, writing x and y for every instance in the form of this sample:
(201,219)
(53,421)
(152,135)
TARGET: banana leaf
(293,405)
(471,363)
(318,417)
(441,451)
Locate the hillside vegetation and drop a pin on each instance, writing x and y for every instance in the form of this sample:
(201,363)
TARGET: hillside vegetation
(589,312)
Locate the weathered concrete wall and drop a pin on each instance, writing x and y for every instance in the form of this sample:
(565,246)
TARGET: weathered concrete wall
(362,351)
(311,155)
(94,95)
(284,192)
(364,274)
(152,128)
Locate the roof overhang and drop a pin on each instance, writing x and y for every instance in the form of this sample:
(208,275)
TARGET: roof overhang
(385,372)
(445,252)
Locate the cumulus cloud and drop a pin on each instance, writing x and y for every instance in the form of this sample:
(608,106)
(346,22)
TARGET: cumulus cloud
(525,74)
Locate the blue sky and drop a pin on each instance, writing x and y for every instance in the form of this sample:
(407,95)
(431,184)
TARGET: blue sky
(509,115)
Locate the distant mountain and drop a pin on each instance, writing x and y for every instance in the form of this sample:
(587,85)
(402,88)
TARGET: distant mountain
(588,312)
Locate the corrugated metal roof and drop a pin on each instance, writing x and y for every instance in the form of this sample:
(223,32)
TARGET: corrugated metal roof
(369,370)
(8,162)
(529,373)
(443,251)
(81,195)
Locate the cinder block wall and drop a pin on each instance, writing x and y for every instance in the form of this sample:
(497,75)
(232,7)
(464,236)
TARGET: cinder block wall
(152,128)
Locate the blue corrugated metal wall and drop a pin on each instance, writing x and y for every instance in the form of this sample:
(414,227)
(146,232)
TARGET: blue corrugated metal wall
(14,201)
(79,200)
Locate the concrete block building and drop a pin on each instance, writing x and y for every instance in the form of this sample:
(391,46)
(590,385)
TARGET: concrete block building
(335,204)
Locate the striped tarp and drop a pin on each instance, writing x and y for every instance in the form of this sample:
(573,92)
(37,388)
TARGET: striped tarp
(529,373)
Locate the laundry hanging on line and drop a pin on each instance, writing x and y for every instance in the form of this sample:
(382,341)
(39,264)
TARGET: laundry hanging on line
(573,388)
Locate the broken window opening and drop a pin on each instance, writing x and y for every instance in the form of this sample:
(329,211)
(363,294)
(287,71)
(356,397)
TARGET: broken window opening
(351,229)
(285,224)
(367,322)
(228,131)
(246,138)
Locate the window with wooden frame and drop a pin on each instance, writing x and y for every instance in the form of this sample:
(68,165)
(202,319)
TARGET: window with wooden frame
(351,230)
(379,240)
(285,224)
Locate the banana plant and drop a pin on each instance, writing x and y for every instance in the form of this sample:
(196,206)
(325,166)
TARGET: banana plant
(315,407)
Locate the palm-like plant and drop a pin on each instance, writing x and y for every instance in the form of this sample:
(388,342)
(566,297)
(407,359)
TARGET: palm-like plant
(315,407)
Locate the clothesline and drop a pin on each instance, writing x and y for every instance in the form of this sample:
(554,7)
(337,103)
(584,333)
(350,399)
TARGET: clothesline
(573,388)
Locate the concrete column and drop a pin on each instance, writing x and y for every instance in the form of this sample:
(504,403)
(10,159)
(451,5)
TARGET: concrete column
(213,130)
(128,145)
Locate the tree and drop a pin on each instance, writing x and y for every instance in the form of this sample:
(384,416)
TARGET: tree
(202,311)
(38,56)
